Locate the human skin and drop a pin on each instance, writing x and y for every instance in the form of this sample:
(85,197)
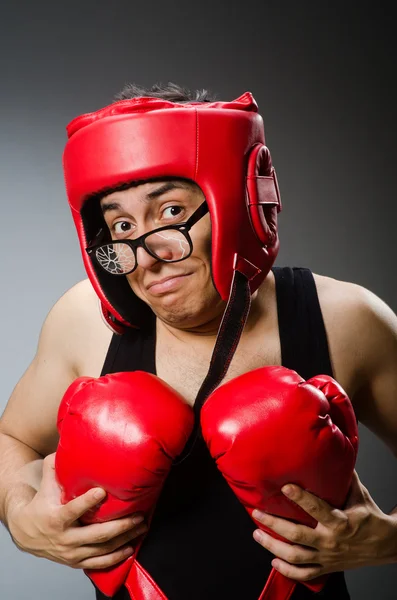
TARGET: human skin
(131,213)
(188,315)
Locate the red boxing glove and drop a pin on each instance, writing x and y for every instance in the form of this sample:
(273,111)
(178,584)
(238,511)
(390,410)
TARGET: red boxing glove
(120,432)
(270,427)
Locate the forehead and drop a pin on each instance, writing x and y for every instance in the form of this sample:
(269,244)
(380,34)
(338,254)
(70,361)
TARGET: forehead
(149,191)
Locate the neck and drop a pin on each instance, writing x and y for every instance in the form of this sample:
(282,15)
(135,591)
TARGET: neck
(205,334)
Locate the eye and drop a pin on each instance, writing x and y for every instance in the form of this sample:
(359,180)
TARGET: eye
(122,227)
(173,211)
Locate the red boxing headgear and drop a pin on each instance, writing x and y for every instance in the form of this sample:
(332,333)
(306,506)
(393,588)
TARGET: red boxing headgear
(218,145)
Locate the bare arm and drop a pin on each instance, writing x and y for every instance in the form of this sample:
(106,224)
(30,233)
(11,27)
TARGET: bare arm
(375,401)
(362,335)
(30,497)
(365,330)
(28,425)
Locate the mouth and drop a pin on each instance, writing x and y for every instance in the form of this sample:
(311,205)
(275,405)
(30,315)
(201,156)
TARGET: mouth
(168,283)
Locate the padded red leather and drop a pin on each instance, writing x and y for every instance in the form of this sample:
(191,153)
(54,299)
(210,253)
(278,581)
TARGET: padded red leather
(270,427)
(120,432)
(208,143)
(265,428)
(141,586)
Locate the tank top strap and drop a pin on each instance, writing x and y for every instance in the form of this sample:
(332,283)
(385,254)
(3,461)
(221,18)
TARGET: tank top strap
(134,350)
(303,338)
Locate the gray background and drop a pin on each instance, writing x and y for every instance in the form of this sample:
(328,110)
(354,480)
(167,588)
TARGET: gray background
(324,76)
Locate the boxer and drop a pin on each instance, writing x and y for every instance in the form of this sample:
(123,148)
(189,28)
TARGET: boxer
(152,180)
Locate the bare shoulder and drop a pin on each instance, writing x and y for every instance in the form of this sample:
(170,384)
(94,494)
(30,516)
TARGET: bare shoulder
(78,300)
(344,299)
(77,322)
(73,342)
(360,327)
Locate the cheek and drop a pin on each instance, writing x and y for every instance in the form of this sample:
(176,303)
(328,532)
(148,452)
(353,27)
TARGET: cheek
(133,280)
(202,244)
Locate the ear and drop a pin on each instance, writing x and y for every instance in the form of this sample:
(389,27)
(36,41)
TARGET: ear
(263,196)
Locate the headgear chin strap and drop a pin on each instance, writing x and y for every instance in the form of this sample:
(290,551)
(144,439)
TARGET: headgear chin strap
(218,145)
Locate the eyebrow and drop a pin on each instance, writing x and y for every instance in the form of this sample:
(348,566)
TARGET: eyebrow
(166,187)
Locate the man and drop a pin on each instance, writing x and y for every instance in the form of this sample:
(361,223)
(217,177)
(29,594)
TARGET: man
(188,301)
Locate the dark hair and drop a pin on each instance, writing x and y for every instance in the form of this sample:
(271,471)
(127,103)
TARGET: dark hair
(91,213)
(170,91)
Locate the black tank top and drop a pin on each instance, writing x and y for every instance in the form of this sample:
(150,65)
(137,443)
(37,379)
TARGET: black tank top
(200,544)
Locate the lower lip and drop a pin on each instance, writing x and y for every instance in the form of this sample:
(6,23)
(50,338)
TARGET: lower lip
(166,286)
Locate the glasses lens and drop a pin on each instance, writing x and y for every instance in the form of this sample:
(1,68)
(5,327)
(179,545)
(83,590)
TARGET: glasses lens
(169,245)
(118,258)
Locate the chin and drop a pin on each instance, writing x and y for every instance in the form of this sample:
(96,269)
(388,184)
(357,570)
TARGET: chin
(177,310)
(192,305)
(191,312)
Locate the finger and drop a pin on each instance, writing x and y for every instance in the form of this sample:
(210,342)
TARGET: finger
(292,553)
(99,533)
(112,545)
(76,508)
(298,534)
(108,560)
(78,554)
(297,573)
(314,506)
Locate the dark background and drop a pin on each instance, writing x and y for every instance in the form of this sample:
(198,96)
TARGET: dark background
(324,76)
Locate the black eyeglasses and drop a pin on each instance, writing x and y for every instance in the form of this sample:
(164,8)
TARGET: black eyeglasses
(168,244)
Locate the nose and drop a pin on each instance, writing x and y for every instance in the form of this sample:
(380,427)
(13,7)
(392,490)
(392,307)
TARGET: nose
(145,260)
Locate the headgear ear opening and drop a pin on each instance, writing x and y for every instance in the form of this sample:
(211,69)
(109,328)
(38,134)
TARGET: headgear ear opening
(220,146)
(263,196)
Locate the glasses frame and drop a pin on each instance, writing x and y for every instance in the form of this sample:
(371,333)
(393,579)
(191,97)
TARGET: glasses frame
(139,242)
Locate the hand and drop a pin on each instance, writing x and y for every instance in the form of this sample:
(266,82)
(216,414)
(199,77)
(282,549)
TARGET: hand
(360,535)
(47,528)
